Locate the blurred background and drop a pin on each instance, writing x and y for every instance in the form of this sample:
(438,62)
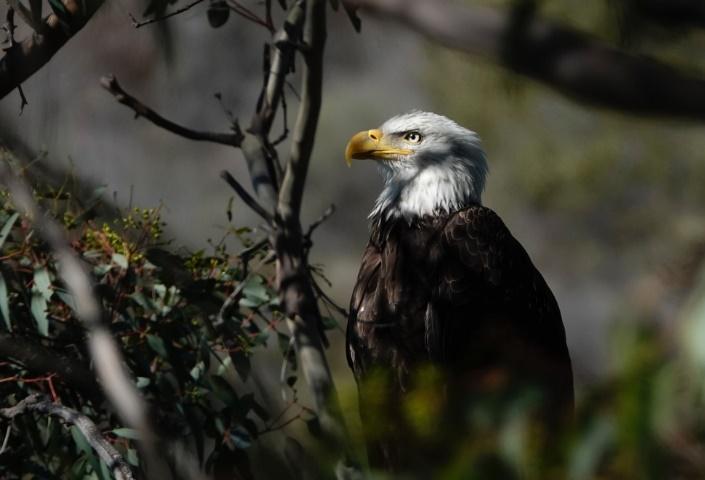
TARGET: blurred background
(610,207)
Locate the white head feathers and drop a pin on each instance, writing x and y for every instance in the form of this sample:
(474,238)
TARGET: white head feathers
(444,172)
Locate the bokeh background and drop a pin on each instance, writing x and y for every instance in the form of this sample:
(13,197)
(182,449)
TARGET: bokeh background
(610,207)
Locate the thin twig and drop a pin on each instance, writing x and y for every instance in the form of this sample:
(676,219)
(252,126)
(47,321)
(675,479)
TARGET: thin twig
(329,301)
(111,84)
(248,14)
(246,197)
(107,453)
(247,253)
(138,24)
(324,216)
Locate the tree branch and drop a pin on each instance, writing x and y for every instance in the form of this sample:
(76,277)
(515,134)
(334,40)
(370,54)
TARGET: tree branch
(41,360)
(111,84)
(304,133)
(293,279)
(256,148)
(107,453)
(23,59)
(246,197)
(574,63)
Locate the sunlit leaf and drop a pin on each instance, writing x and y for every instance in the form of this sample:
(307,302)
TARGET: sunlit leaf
(197,371)
(132,457)
(41,293)
(4,303)
(126,433)
(142,382)
(120,260)
(7,228)
(42,282)
(39,312)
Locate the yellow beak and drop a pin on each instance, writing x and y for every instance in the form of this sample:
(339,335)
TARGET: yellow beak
(371,145)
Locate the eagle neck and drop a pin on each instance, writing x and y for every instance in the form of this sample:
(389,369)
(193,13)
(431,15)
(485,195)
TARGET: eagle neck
(430,190)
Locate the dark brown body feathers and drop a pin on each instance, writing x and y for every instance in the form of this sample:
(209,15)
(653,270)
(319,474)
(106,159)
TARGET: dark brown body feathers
(457,292)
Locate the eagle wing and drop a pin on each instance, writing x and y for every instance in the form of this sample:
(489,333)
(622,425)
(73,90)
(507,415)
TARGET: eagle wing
(493,309)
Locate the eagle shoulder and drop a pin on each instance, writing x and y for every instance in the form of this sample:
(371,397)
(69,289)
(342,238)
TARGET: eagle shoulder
(486,271)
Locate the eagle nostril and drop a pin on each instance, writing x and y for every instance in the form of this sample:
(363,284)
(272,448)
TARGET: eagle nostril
(373,134)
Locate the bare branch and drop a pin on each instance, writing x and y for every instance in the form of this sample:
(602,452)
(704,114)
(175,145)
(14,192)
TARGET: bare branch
(324,216)
(255,146)
(138,24)
(41,360)
(106,355)
(106,452)
(574,63)
(246,197)
(304,133)
(111,84)
(23,59)
(284,48)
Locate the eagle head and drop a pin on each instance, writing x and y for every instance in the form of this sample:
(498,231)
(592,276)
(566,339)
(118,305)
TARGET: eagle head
(431,165)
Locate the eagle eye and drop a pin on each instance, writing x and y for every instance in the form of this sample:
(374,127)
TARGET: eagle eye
(413,137)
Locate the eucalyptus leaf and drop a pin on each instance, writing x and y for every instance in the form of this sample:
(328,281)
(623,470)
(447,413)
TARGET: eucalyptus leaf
(132,457)
(197,371)
(41,293)
(4,303)
(120,260)
(254,289)
(240,438)
(80,441)
(126,433)
(39,312)
(142,382)
(42,282)
(7,228)
(157,344)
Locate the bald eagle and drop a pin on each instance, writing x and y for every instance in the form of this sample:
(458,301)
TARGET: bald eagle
(444,288)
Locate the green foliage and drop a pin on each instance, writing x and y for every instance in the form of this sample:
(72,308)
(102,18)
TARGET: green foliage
(190,354)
